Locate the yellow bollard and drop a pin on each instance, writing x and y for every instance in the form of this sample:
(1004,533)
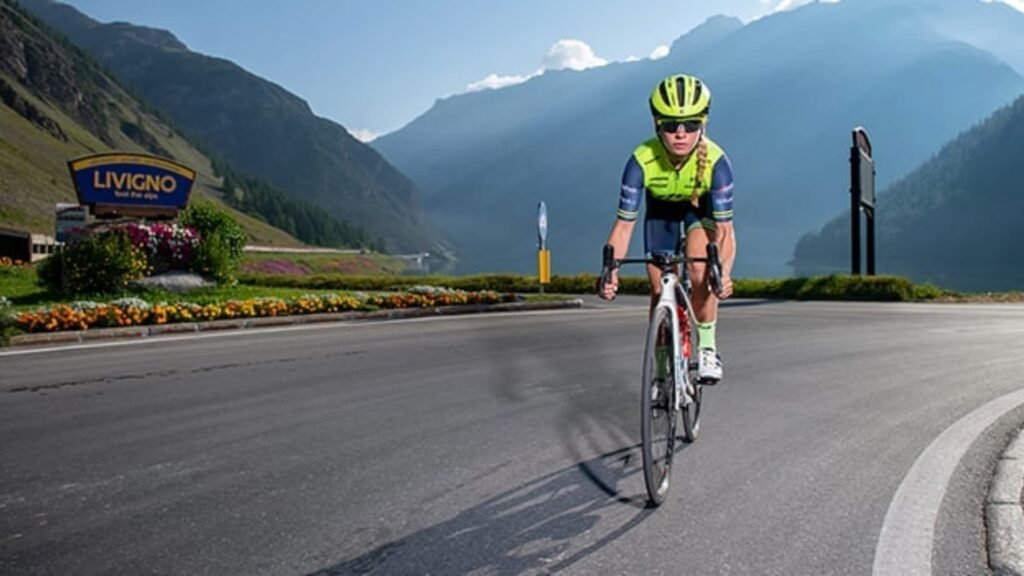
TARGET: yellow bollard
(544,267)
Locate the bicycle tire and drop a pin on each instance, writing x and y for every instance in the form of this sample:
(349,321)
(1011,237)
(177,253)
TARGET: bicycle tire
(658,418)
(691,416)
(691,412)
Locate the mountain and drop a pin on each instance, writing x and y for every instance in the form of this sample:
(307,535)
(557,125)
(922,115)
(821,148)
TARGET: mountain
(788,89)
(257,126)
(954,221)
(57,104)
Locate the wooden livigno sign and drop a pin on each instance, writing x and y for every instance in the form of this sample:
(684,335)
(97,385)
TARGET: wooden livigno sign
(120,184)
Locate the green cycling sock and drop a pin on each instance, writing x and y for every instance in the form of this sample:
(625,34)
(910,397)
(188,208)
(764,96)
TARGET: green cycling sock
(706,335)
(661,360)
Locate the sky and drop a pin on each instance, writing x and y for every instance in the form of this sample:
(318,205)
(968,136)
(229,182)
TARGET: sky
(375,65)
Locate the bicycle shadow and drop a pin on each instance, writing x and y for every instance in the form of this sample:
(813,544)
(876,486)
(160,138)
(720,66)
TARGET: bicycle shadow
(550,523)
(602,414)
(535,528)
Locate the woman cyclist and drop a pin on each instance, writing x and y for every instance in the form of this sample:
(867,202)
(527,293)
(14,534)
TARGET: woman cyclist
(687,180)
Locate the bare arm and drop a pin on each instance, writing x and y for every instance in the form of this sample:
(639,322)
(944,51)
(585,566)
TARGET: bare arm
(619,237)
(725,237)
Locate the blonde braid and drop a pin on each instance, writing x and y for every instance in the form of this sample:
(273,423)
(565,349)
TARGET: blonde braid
(702,164)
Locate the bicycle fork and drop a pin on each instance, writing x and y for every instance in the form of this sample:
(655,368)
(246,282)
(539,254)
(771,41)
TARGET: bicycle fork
(668,300)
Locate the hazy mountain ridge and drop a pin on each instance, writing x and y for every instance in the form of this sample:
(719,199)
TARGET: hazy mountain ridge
(954,221)
(788,89)
(257,126)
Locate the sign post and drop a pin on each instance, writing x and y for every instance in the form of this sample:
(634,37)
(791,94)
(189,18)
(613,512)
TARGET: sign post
(543,255)
(862,198)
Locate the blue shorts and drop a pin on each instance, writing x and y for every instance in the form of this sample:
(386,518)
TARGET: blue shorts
(665,222)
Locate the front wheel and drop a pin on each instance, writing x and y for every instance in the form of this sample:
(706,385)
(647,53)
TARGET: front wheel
(658,422)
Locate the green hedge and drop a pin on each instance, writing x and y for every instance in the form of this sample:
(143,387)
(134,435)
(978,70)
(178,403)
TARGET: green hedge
(836,287)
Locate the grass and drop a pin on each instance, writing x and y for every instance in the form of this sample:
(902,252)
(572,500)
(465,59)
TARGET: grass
(321,263)
(20,286)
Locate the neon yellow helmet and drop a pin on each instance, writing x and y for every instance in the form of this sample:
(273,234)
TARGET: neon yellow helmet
(681,96)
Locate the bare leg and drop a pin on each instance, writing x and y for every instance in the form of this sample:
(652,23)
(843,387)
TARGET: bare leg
(705,303)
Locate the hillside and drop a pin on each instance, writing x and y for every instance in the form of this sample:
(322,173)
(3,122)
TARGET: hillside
(257,126)
(954,221)
(58,104)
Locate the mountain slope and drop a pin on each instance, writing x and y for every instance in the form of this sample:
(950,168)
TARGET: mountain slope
(954,221)
(55,104)
(257,126)
(788,89)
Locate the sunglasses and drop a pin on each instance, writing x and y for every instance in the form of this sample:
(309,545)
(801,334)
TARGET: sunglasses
(672,126)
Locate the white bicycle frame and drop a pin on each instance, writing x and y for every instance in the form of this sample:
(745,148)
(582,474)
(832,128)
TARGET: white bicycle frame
(670,287)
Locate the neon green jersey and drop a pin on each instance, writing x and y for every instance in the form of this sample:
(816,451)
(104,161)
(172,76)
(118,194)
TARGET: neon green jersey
(664,182)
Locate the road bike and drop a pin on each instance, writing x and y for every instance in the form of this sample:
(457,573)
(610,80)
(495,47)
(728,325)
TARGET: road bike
(668,387)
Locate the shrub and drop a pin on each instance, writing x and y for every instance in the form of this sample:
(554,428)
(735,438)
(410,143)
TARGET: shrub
(221,240)
(208,219)
(7,321)
(213,259)
(99,263)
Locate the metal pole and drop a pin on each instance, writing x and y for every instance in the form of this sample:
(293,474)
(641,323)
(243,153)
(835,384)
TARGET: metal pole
(854,210)
(870,214)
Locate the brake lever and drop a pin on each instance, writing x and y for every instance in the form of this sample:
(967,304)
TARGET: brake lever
(715,268)
(607,266)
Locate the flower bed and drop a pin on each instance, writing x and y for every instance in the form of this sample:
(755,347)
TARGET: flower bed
(167,246)
(138,312)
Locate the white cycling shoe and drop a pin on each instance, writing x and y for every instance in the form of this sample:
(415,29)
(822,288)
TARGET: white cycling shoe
(709,366)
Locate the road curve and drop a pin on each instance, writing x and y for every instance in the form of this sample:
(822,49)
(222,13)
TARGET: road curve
(498,444)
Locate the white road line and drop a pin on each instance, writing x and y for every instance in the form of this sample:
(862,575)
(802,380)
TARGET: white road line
(905,542)
(347,324)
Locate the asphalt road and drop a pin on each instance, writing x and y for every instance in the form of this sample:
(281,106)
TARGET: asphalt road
(497,444)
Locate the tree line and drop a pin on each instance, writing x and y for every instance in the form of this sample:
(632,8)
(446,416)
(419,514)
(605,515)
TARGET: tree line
(303,220)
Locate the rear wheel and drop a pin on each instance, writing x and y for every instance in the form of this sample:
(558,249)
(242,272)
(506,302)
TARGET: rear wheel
(658,423)
(691,415)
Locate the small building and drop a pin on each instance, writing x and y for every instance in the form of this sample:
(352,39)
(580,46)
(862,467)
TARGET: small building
(23,246)
(43,246)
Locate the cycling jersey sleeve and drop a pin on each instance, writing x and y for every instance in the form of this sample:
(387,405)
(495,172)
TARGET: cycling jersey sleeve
(631,191)
(721,191)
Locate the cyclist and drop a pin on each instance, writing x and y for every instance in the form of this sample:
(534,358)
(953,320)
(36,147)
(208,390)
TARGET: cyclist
(687,180)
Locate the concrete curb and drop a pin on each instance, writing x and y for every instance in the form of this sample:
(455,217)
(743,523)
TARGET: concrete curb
(79,336)
(1004,515)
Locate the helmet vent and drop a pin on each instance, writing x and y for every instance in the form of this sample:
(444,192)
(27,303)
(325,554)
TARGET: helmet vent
(697,89)
(664,94)
(680,90)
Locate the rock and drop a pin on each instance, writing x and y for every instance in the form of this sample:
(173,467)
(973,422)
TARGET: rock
(174,281)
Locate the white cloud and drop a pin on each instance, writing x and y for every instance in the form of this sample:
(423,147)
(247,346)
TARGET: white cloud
(565,54)
(1018,4)
(493,82)
(772,6)
(363,135)
(571,54)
